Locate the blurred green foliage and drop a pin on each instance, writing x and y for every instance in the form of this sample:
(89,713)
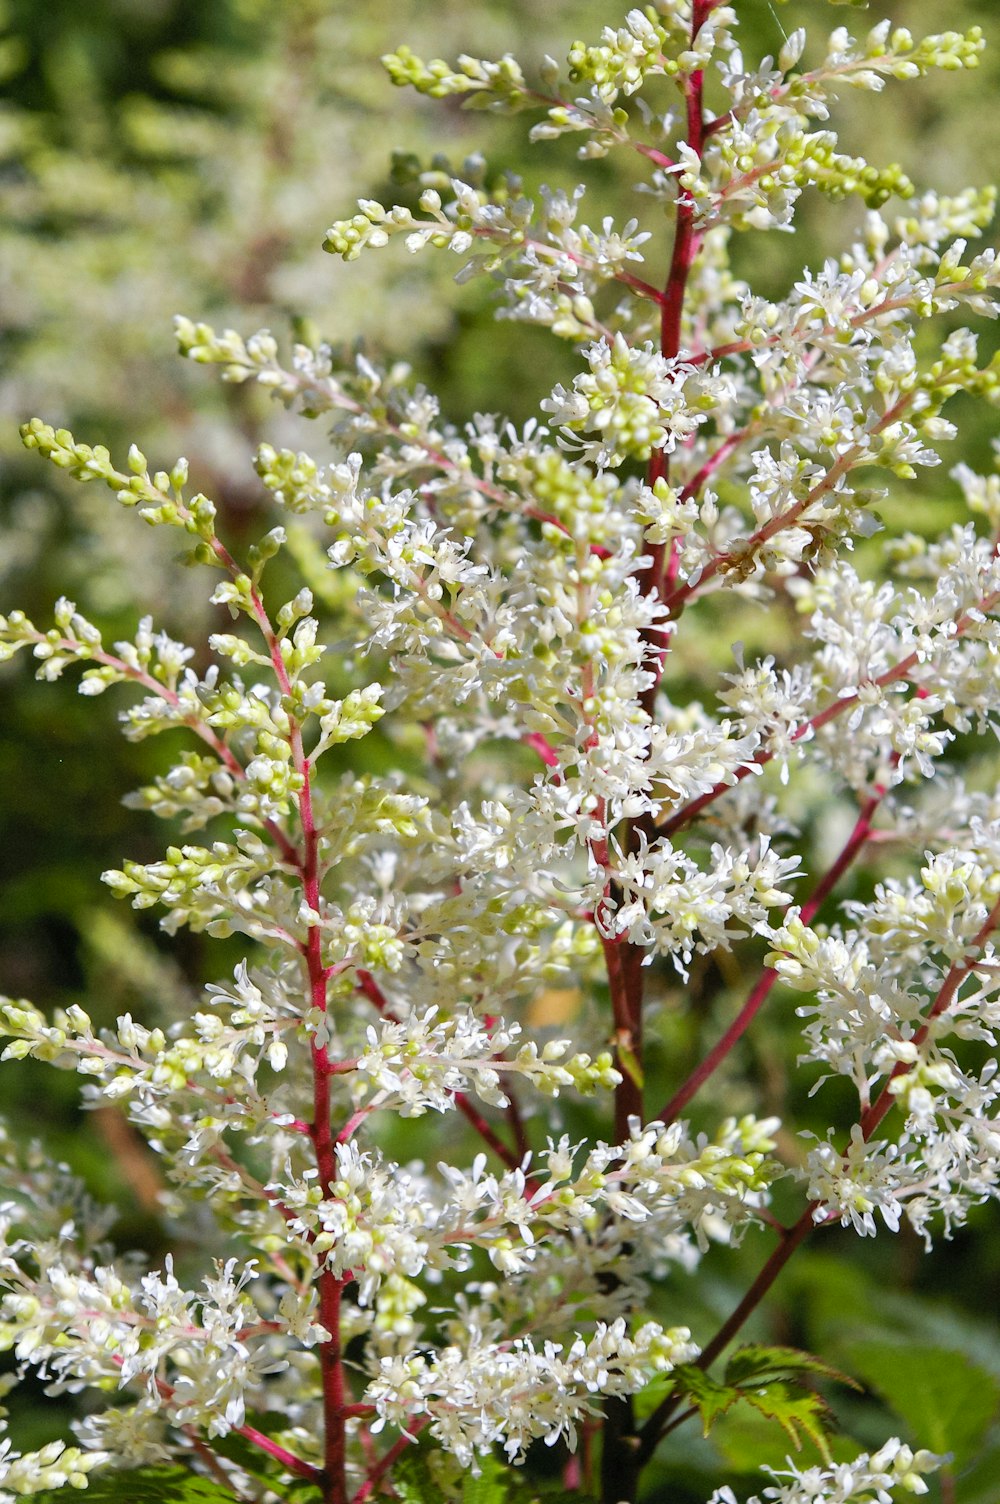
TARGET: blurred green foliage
(164,156)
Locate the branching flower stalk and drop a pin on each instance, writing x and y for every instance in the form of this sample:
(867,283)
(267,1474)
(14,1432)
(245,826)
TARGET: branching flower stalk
(534,600)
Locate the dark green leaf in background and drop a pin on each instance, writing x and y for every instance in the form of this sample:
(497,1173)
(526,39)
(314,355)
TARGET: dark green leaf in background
(947,1401)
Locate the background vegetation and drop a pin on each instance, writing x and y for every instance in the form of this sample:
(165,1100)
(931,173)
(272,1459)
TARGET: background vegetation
(164,156)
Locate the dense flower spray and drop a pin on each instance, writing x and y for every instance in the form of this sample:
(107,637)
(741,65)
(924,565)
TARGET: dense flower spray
(715,457)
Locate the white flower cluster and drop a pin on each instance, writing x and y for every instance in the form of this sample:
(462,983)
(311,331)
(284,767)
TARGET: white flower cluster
(379,1219)
(916,971)
(486,1391)
(868,1479)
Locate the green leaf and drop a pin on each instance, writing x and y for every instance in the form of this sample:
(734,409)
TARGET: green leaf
(652,1395)
(799,1412)
(947,1401)
(709,1397)
(299,1492)
(156,1485)
(755,1362)
(415,1479)
(764,1378)
(977,1483)
(411,1478)
(491,1485)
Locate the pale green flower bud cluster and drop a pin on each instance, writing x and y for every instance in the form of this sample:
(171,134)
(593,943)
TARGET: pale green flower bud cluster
(488,84)
(53,1466)
(158,498)
(624,58)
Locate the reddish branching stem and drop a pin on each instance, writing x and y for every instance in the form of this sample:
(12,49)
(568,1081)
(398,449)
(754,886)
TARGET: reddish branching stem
(654,1428)
(620,1461)
(386,1462)
(895,675)
(330,1285)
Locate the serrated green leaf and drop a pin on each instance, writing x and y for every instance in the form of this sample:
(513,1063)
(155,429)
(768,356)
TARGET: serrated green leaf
(756,1362)
(799,1412)
(709,1397)
(749,1441)
(765,1386)
(154,1485)
(947,1401)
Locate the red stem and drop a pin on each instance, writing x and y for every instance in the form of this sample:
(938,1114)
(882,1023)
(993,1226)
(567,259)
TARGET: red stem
(713,462)
(653,1429)
(624,961)
(280,1454)
(620,1461)
(541,744)
(624,967)
(517,1127)
(385,1463)
(678,598)
(486,1133)
(624,964)
(685,249)
(331,1286)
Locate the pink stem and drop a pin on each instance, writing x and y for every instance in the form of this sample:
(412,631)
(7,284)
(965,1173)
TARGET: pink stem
(384,1463)
(541,744)
(486,1133)
(280,1454)
(662,567)
(518,1129)
(331,1286)
(620,1462)
(623,960)
(678,598)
